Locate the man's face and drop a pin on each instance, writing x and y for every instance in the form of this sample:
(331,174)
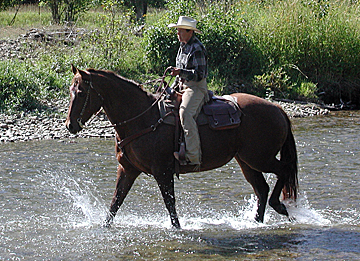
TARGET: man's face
(184,35)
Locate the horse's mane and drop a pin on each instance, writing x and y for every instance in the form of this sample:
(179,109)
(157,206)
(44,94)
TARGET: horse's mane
(115,77)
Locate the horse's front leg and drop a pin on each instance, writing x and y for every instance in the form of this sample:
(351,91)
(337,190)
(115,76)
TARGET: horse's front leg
(166,184)
(124,182)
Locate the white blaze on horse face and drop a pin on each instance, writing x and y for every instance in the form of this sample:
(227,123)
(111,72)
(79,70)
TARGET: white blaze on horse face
(74,88)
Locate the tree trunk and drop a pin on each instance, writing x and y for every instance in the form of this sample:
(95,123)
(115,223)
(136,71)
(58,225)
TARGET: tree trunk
(140,9)
(54,6)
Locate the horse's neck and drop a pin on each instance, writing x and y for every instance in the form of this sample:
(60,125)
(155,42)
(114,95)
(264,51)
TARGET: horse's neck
(125,100)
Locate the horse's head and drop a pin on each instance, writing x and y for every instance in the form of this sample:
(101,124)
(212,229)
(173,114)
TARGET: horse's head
(84,100)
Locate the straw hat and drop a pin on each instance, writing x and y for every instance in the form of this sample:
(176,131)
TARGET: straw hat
(186,22)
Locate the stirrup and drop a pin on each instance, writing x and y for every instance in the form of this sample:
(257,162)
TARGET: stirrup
(177,157)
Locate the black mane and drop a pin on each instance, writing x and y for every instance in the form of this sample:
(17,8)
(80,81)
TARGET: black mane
(114,76)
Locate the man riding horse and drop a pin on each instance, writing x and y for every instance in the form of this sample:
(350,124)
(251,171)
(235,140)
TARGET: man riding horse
(191,72)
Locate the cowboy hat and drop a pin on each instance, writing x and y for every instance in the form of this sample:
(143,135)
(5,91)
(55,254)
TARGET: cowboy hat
(186,22)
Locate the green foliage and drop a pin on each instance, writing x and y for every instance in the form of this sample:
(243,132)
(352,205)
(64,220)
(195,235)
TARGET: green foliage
(28,16)
(5,4)
(24,85)
(307,91)
(292,49)
(230,51)
(114,45)
(277,82)
(319,37)
(320,8)
(17,90)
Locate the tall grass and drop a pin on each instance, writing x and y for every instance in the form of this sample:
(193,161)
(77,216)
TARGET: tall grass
(315,41)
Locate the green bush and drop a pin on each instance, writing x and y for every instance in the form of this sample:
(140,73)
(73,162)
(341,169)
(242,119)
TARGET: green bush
(17,90)
(294,49)
(24,86)
(114,44)
(277,82)
(231,53)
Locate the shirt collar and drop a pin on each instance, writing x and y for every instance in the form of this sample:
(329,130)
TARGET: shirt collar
(191,40)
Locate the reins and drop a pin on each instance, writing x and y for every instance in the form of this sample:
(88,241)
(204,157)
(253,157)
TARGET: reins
(153,127)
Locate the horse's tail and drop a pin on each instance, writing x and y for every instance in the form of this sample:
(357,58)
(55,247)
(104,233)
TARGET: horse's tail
(288,155)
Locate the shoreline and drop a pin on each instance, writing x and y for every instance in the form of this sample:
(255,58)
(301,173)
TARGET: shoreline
(50,124)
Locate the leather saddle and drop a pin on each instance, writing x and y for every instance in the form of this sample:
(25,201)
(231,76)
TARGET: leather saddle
(220,112)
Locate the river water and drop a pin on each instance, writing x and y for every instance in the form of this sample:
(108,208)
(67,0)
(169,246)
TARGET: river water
(54,196)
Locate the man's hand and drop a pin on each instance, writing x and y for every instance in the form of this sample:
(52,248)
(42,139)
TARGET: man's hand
(175,71)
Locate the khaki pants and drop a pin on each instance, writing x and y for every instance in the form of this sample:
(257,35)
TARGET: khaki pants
(194,96)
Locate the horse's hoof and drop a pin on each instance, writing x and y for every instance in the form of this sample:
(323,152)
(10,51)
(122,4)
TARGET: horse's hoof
(106,224)
(177,226)
(280,208)
(292,219)
(258,219)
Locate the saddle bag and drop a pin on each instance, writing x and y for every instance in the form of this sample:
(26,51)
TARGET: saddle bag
(222,113)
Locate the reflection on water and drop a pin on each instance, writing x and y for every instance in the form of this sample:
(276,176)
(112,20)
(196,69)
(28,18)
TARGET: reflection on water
(54,197)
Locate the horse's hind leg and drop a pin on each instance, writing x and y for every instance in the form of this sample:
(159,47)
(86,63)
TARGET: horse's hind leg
(124,182)
(261,188)
(274,200)
(166,184)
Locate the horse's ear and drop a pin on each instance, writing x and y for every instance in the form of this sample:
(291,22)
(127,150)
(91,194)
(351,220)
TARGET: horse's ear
(84,75)
(74,69)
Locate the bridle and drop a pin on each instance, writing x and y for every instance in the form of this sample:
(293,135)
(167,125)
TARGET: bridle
(79,120)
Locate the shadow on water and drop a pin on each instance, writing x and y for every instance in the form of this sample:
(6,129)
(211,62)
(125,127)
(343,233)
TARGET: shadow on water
(289,242)
(245,244)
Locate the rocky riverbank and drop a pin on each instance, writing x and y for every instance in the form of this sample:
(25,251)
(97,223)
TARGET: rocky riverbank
(50,124)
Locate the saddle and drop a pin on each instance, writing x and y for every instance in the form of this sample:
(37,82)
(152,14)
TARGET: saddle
(220,112)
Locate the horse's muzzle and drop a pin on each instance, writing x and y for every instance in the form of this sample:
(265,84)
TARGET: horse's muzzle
(72,128)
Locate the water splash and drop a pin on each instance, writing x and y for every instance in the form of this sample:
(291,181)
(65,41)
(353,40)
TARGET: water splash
(83,207)
(301,214)
(304,214)
(87,209)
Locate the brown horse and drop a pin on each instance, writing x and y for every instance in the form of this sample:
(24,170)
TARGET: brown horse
(265,131)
